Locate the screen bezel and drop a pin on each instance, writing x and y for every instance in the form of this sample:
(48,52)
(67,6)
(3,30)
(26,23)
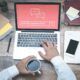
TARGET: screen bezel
(44,3)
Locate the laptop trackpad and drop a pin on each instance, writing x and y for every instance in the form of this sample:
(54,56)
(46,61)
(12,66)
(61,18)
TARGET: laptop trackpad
(21,53)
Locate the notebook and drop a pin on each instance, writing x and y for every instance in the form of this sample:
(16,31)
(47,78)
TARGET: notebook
(35,23)
(72,47)
(5,27)
(72,11)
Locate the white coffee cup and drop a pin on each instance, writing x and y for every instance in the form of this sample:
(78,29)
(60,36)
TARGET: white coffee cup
(34,65)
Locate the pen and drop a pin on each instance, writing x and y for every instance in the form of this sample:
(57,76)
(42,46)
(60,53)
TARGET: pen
(9,45)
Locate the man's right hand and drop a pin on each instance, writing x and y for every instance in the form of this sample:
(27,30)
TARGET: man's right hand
(50,49)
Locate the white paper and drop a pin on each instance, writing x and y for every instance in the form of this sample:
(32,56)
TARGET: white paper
(72,13)
(72,18)
(74,35)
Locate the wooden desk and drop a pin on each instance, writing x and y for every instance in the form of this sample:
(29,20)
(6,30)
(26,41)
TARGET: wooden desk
(48,71)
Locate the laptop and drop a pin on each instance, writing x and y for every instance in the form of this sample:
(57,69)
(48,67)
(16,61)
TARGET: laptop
(35,22)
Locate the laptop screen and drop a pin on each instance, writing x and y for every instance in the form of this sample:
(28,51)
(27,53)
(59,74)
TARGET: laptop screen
(37,16)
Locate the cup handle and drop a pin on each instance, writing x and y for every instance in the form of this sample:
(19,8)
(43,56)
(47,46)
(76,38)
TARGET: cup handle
(39,72)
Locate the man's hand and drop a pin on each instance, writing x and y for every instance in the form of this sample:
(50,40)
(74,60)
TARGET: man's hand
(22,65)
(50,49)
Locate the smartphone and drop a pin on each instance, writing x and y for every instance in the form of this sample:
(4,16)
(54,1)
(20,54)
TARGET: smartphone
(72,46)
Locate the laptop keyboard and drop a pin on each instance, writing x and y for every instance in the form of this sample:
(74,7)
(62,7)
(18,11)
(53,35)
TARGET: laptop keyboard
(35,39)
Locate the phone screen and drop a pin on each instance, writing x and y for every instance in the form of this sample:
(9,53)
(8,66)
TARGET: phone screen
(72,46)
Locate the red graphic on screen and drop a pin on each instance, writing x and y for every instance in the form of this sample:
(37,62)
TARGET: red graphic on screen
(34,16)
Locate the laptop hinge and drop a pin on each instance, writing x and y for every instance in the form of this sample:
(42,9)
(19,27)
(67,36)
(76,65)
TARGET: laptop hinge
(37,31)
